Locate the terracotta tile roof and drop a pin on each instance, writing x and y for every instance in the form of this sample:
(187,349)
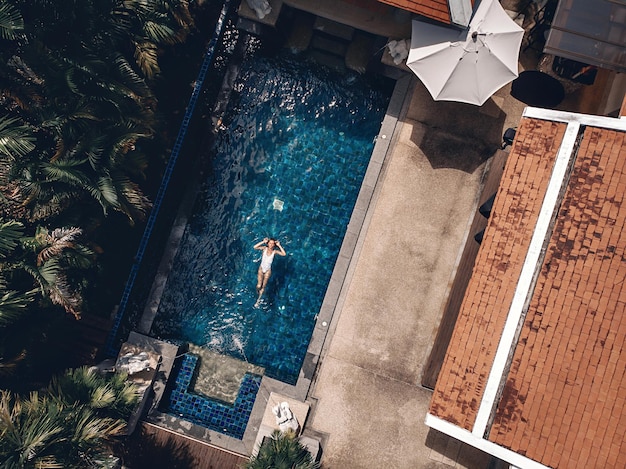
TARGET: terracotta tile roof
(497,268)
(435,9)
(560,398)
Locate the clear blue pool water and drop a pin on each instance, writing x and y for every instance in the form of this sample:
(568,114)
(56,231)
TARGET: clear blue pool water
(298,136)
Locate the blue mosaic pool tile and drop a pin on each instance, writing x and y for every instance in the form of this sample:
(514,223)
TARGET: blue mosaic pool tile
(221,417)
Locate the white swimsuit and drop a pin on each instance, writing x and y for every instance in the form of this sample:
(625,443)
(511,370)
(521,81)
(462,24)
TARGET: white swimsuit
(266,261)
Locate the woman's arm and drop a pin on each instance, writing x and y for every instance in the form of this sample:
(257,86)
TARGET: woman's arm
(260,245)
(280,250)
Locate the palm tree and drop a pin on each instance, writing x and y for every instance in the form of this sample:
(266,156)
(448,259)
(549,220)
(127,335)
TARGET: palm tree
(28,429)
(110,396)
(56,429)
(282,451)
(50,258)
(87,107)
(82,99)
(76,108)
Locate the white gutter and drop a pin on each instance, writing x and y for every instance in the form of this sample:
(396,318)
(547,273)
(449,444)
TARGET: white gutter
(487,446)
(603,122)
(460,11)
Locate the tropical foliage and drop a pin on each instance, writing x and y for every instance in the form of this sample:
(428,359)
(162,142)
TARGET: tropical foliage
(42,263)
(77,111)
(108,396)
(41,271)
(72,424)
(282,451)
(77,105)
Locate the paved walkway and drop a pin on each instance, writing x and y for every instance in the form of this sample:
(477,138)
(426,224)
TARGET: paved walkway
(369,406)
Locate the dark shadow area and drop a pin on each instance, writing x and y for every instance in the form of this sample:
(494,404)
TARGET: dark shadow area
(143,450)
(453,452)
(446,150)
(151,447)
(538,89)
(463,274)
(456,135)
(50,344)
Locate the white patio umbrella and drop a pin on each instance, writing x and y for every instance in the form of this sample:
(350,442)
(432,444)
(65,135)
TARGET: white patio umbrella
(470,65)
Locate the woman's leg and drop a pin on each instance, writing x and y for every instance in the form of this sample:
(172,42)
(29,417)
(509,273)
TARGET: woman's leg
(259,281)
(263,277)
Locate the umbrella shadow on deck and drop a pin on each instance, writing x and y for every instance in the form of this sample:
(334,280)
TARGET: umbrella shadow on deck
(455,135)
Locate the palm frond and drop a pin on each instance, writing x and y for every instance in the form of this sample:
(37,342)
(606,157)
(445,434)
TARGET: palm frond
(56,242)
(90,429)
(37,424)
(93,147)
(109,395)
(132,81)
(108,190)
(282,450)
(49,271)
(65,236)
(146,58)
(10,410)
(71,83)
(160,33)
(60,293)
(9,365)
(10,234)
(133,202)
(11,21)
(66,170)
(121,22)
(15,139)
(102,397)
(13,304)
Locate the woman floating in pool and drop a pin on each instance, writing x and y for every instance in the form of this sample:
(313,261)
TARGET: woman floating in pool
(269,246)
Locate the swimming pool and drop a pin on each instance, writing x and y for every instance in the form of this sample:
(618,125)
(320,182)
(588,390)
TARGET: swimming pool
(288,163)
